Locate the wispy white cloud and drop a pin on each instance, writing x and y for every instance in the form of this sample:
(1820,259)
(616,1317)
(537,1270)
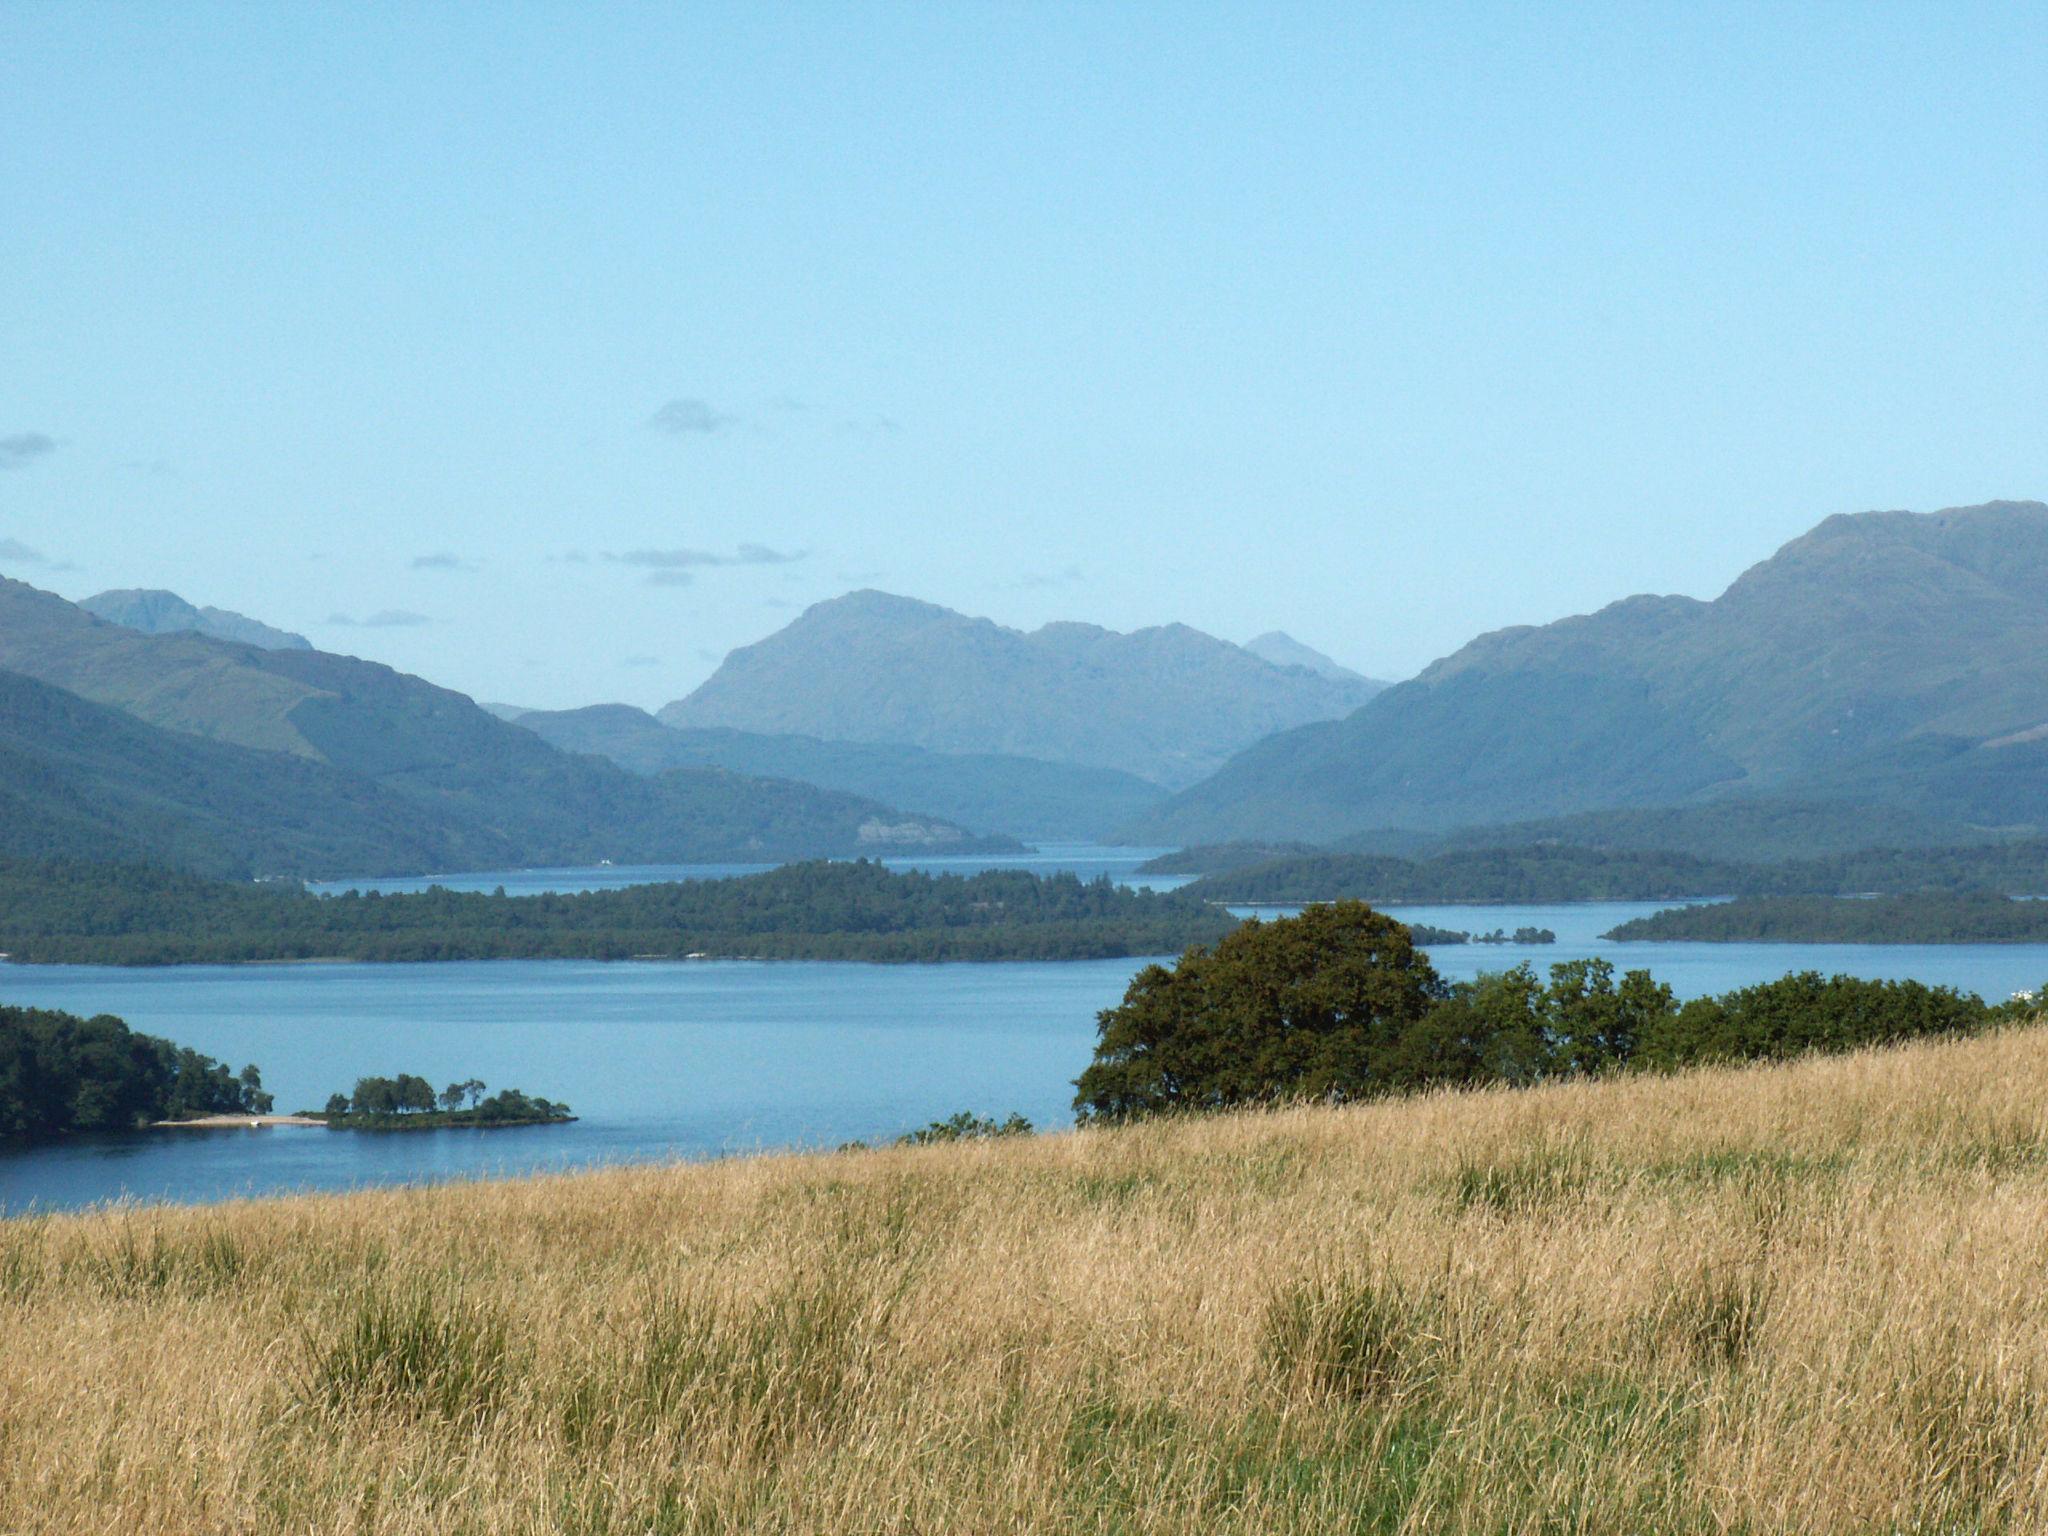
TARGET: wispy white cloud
(383,618)
(688,417)
(14,552)
(19,448)
(676,567)
(690,559)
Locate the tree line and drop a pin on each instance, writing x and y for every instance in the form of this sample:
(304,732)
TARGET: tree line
(60,1073)
(1339,1004)
(1560,872)
(1934,917)
(80,913)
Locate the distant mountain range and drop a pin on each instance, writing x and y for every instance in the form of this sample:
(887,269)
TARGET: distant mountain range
(157,612)
(985,792)
(1882,680)
(1888,658)
(328,764)
(1168,704)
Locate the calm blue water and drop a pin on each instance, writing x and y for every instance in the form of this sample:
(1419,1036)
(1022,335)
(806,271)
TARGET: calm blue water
(662,1059)
(691,1059)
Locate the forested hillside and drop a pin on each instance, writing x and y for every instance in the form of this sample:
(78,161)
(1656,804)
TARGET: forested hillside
(426,759)
(80,780)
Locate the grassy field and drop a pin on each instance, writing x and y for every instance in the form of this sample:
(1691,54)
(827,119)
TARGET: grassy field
(1799,1299)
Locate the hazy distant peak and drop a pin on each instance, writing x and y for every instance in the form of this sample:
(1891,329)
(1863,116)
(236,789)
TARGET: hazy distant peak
(1283,650)
(156,612)
(1166,703)
(872,601)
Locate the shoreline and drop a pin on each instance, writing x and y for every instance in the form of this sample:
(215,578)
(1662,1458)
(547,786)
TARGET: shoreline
(228,1122)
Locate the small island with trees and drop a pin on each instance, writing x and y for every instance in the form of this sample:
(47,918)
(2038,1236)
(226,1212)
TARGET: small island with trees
(408,1103)
(1286,875)
(74,913)
(1424,934)
(1927,917)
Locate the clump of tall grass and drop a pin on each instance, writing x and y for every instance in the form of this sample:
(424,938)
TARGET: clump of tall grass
(741,1379)
(413,1352)
(1354,1337)
(135,1255)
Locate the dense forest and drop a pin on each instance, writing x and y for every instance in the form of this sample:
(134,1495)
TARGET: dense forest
(1339,1004)
(1553,872)
(1932,917)
(68,912)
(60,1073)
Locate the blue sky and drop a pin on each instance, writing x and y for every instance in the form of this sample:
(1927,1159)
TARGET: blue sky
(550,351)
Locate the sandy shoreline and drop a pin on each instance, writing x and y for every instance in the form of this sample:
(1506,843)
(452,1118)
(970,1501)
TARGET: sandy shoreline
(219,1122)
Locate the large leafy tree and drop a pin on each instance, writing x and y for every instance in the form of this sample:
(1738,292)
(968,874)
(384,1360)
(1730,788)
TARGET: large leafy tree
(1317,1006)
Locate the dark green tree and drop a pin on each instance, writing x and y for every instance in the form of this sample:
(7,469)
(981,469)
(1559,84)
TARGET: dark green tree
(374,1096)
(1307,1007)
(254,1099)
(413,1094)
(1596,1025)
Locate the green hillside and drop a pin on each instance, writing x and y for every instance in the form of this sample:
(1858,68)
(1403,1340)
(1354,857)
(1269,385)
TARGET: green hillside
(80,780)
(1889,658)
(987,792)
(453,764)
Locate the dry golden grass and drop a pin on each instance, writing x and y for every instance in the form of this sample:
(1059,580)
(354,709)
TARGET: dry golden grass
(1803,1299)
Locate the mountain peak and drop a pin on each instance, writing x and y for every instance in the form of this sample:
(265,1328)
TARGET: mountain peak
(1876,656)
(154,611)
(1283,650)
(1167,703)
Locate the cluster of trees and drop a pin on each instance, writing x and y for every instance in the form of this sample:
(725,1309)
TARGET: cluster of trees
(966,1126)
(1561,872)
(1934,917)
(407,1099)
(65,912)
(60,1073)
(1339,1004)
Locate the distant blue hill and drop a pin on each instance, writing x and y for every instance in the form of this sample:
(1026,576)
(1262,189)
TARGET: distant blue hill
(1888,659)
(1168,704)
